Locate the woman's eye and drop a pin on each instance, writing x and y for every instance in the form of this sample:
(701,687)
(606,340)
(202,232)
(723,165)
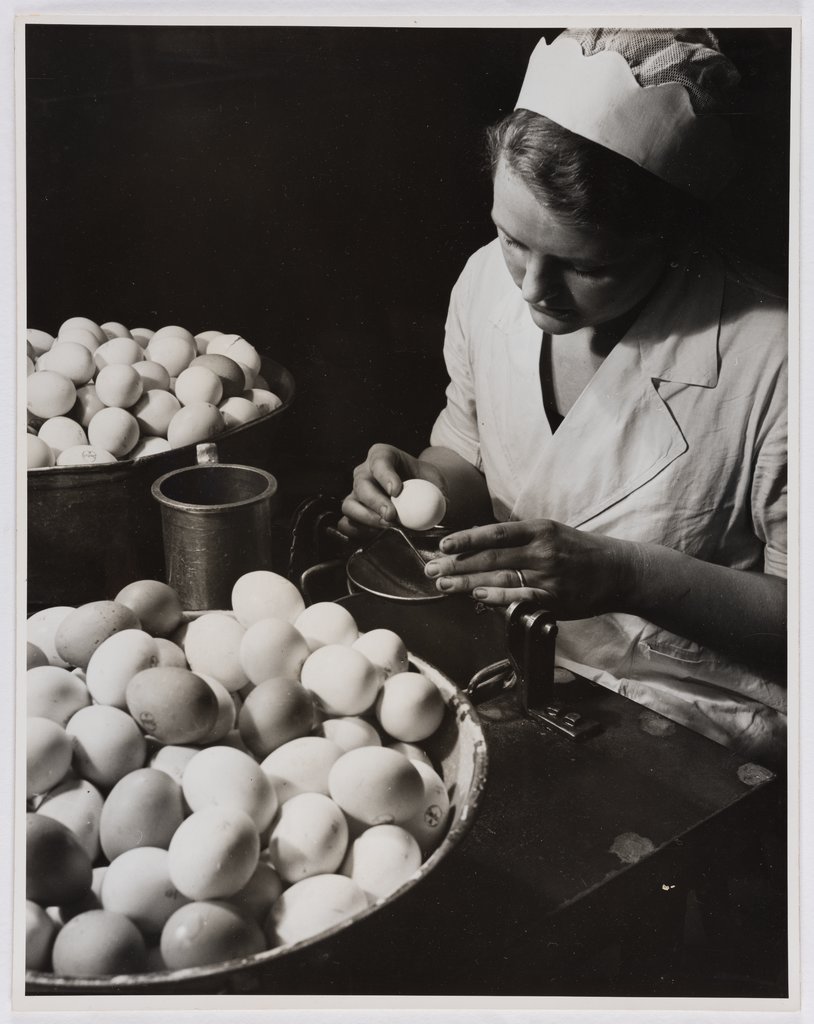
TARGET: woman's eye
(510,242)
(588,271)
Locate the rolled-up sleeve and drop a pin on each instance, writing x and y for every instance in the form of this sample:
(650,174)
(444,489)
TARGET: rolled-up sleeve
(457,425)
(770,479)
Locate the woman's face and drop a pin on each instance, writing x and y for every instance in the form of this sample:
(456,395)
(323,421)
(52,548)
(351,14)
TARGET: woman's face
(572,277)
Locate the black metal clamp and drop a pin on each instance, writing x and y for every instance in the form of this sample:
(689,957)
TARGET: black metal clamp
(528,672)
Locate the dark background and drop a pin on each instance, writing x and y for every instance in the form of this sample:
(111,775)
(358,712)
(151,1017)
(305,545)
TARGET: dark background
(314,189)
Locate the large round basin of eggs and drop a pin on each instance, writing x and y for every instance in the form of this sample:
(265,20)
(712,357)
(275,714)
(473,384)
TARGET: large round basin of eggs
(92,528)
(457,750)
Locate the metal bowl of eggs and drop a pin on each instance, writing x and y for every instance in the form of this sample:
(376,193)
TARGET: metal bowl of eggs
(92,524)
(399,807)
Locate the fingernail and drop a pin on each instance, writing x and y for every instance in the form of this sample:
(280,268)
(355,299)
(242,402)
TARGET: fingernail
(384,511)
(432,568)
(445,544)
(479,593)
(445,584)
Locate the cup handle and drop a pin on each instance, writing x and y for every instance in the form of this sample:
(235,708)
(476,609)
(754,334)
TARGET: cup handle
(206,454)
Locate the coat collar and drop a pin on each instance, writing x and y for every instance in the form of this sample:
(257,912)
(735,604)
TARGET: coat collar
(620,433)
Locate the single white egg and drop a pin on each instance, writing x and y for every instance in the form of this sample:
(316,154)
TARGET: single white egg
(420,505)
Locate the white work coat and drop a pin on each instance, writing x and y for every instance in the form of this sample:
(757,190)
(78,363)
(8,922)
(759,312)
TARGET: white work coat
(679,439)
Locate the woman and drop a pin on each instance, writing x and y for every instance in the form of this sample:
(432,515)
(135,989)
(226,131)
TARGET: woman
(617,399)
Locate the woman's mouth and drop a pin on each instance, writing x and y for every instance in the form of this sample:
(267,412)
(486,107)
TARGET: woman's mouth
(553,312)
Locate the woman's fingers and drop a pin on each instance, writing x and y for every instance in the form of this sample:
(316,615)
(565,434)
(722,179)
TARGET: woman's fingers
(506,579)
(489,561)
(362,514)
(495,535)
(505,596)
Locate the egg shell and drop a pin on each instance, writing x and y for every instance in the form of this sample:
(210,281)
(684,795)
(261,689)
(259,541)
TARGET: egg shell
(144,808)
(236,348)
(40,932)
(198,384)
(276,711)
(257,895)
(174,331)
(309,838)
(227,370)
(227,711)
(77,804)
(428,824)
(78,336)
(107,744)
(341,680)
(212,645)
(237,411)
(207,932)
(202,339)
(384,648)
(172,704)
(154,412)
(170,654)
(381,860)
(82,323)
(115,661)
(34,656)
(119,386)
(40,341)
(61,432)
(39,454)
(173,351)
(224,777)
(154,376)
(173,759)
(155,604)
(272,648)
(72,360)
(49,752)
(301,766)
(263,594)
(85,628)
(55,693)
(350,733)
(57,868)
(137,884)
(49,394)
(41,628)
(142,335)
(410,707)
(98,943)
(420,505)
(411,751)
(115,430)
(265,400)
(118,352)
(327,623)
(214,853)
(193,424)
(313,906)
(376,786)
(114,329)
(149,446)
(85,455)
(86,406)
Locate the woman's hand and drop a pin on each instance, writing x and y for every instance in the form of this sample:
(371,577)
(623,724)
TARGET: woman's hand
(574,573)
(368,507)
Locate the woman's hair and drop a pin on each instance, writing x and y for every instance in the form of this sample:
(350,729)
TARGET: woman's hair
(588,184)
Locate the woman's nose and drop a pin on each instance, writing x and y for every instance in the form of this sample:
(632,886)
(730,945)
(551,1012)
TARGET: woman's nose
(542,280)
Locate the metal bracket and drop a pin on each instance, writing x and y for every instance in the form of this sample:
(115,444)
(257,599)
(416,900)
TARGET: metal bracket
(530,638)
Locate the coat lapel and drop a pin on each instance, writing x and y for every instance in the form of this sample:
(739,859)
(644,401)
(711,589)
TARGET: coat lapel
(620,433)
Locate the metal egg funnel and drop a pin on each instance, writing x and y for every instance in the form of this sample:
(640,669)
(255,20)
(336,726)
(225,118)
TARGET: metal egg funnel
(392,565)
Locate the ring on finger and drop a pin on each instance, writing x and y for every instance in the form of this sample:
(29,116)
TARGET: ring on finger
(521,578)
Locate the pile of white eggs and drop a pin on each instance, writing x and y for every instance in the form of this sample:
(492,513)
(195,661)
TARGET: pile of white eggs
(205,789)
(100,393)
